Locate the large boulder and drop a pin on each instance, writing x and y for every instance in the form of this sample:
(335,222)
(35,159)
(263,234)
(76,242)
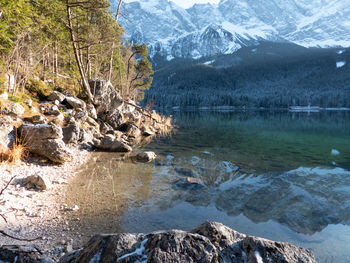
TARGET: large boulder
(114,119)
(21,254)
(45,140)
(130,129)
(71,133)
(110,143)
(7,134)
(76,103)
(210,242)
(106,97)
(12,109)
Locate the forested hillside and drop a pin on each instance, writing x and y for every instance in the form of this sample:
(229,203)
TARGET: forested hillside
(270,75)
(56,44)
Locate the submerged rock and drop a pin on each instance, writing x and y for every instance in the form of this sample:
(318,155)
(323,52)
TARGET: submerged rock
(210,242)
(109,143)
(146,157)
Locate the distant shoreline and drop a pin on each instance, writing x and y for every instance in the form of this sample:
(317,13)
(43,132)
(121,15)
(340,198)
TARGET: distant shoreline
(234,108)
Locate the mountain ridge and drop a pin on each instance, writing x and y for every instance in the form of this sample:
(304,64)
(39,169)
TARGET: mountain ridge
(206,29)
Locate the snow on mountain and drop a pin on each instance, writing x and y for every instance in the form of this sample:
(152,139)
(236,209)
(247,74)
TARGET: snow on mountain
(206,29)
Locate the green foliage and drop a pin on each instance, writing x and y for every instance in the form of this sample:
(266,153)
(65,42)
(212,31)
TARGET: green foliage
(35,42)
(39,89)
(16,99)
(14,23)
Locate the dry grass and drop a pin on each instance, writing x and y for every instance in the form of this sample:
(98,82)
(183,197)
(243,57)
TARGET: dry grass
(15,154)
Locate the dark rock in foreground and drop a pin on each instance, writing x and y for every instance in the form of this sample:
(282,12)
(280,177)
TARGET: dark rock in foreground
(20,254)
(210,242)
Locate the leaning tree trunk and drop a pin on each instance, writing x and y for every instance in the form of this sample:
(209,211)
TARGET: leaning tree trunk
(84,81)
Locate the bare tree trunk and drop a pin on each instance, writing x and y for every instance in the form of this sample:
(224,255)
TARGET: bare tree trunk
(56,59)
(111,64)
(85,83)
(118,10)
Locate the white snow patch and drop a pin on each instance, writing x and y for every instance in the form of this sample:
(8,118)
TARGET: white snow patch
(209,62)
(169,57)
(335,152)
(254,50)
(258,257)
(139,251)
(339,52)
(208,153)
(310,42)
(340,64)
(247,33)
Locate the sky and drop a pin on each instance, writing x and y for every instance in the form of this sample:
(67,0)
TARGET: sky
(189,3)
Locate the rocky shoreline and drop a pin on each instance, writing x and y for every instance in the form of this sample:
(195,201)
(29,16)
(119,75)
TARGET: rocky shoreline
(59,133)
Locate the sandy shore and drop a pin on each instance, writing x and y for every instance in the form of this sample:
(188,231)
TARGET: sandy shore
(34,214)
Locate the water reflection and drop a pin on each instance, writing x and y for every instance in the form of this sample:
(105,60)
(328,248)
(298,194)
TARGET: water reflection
(271,175)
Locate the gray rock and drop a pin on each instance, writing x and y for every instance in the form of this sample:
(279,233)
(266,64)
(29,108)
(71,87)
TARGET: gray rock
(28,102)
(21,254)
(130,129)
(4,96)
(92,122)
(13,109)
(107,98)
(146,131)
(76,103)
(7,134)
(56,96)
(81,115)
(91,111)
(36,119)
(37,181)
(45,140)
(146,157)
(71,133)
(210,242)
(105,128)
(54,110)
(40,132)
(114,119)
(109,143)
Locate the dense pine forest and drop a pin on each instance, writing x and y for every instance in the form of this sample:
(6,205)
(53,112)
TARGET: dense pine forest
(269,75)
(59,45)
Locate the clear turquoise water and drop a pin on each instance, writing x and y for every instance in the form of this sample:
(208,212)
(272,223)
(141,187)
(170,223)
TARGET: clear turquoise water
(270,174)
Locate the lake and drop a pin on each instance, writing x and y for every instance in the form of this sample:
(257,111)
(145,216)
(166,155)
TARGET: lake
(275,174)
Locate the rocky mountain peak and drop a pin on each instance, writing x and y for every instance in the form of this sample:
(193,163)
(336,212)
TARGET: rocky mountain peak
(207,29)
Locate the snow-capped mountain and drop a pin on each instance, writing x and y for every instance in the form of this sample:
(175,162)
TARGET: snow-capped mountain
(206,29)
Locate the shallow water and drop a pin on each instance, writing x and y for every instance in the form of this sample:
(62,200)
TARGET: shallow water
(279,175)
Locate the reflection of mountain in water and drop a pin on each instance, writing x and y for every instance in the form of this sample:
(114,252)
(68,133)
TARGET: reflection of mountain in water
(306,199)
